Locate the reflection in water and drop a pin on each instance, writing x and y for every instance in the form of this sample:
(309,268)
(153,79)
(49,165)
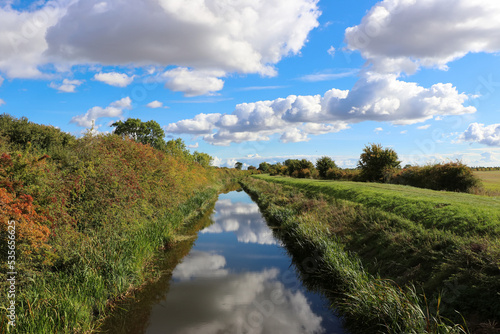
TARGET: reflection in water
(252,302)
(200,265)
(244,219)
(236,279)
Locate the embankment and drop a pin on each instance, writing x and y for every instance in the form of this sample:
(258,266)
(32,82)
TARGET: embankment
(90,213)
(360,242)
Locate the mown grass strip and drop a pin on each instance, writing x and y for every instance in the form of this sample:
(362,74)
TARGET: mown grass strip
(464,214)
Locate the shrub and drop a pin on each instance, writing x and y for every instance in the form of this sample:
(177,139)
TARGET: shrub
(452,176)
(304,173)
(335,174)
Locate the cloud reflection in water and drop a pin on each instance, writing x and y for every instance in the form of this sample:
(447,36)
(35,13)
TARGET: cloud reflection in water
(224,302)
(244,219)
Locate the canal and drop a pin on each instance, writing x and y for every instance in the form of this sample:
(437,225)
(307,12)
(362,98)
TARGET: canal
(235,278)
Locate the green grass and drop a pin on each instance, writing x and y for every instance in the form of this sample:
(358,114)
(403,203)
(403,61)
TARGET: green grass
(405,234)
(324,231)
(464,214)
(490,179)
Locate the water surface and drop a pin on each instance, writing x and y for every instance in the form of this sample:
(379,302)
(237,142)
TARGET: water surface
(237,278)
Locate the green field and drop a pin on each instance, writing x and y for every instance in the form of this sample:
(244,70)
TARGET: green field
(490,179)
(462,213)
(446,244)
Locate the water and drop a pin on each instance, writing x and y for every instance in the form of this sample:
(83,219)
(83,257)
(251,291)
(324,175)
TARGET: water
(237,278)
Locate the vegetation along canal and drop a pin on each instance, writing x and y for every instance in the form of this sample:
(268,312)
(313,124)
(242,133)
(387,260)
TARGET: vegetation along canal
(236,278)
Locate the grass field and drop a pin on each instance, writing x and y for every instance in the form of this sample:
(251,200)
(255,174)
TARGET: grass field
(444,243)
(490,179)
(462,213)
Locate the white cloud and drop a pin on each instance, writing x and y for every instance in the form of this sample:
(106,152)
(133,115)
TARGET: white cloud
(232,36)
(331,51)
(378,130)
(404,132)
(2,102)
(423,127)
(326,76)
(155,104)
(400,36)
(194,146)
(114,79)
(375,97)
(479,133)
(22,40)
(67,86)
(193,83)
(115,109)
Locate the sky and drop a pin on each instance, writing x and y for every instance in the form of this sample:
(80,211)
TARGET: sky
(255,80)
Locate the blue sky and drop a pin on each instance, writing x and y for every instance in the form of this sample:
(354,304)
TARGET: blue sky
(257,81)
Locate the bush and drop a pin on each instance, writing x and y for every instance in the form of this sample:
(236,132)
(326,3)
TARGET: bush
(304,173)
(335,174)
(452,176)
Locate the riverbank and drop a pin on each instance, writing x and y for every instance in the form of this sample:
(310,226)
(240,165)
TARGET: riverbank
(89,214)
(355,243)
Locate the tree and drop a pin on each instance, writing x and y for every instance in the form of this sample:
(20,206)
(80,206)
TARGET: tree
(149,133)
(203,159)
(177,148)
(264,167)
(238,165)
(375,160)
(323,164)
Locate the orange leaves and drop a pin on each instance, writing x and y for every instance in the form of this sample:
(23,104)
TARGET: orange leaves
(29,230)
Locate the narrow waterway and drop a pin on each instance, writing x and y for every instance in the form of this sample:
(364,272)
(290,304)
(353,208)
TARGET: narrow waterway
(236,278)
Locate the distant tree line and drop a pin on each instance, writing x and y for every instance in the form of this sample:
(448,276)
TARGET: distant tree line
(378,164)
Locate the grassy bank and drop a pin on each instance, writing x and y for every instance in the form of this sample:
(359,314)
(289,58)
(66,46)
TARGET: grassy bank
(356,243)
(89,215)
(464,214)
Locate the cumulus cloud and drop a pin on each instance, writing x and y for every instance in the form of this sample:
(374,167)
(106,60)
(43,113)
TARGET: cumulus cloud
(483,134)
(377,130)
(115,109)
(155,104)
(375,97)
(193,83)
(114,79)
(233,36)
(23,40)
(423,127)
(400,36)
(67,86)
